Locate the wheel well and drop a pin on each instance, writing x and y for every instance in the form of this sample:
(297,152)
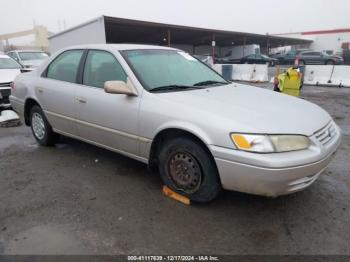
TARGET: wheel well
(165,135)
(27,108)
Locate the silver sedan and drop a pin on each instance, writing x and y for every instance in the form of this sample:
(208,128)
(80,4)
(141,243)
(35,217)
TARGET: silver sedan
(163,107)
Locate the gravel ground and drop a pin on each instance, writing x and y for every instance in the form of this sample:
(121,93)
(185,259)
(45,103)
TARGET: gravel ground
(79,199)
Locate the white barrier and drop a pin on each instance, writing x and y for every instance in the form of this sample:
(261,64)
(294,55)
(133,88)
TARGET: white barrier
(318,74)
(242,72)
(341,76)
(217,68)
(245,72)
(260,73)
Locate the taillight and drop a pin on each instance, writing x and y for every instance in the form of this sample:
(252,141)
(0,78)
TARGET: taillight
(12,84)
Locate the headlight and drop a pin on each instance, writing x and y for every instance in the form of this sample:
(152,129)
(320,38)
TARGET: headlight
(270,143)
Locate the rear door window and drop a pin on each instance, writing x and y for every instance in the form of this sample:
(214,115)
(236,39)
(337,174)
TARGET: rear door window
(65,66)
(306,53)
(102,66)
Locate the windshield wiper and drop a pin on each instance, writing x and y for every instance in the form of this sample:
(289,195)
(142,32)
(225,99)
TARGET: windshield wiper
(172,87)
(210,82)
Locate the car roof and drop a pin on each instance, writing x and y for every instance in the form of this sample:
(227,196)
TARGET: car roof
(119,47)
(36,51)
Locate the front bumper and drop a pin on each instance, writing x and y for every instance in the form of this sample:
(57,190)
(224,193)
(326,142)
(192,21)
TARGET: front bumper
(5,93)
(273,174)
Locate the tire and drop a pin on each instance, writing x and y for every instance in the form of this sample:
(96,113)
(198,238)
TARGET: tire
(184,157)
(330,62)
(42,130)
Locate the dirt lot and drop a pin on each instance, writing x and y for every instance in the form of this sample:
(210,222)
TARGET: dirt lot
(80,199)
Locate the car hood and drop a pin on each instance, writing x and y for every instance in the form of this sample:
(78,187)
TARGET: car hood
(8,75)
(32,63)
(243,108)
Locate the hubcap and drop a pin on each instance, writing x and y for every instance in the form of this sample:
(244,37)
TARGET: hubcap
(38,126)
(185,172)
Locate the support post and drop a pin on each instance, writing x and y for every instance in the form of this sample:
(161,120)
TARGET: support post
(213,44)
(169,37)
(244,43)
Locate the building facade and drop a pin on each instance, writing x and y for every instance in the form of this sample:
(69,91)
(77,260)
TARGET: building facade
(330,41)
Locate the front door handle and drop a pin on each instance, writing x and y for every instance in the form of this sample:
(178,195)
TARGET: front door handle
(40,89)
(81,100)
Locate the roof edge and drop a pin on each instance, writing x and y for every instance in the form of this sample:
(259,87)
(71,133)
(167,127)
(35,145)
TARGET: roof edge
(77,26)
(317,32)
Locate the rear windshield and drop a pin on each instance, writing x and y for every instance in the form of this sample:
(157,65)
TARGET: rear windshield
(33,55)
(8,63)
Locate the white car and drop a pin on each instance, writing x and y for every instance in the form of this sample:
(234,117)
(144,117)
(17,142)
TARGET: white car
(29,59)
(9,69)
(163,107)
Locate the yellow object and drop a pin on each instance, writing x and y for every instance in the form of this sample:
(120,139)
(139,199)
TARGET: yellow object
(170,193)
(240,141)
(290,82)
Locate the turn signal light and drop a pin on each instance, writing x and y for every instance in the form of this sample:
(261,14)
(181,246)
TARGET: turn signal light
(240,141)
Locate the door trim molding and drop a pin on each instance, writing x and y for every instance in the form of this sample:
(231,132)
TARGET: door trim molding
(107,129)
(133,156)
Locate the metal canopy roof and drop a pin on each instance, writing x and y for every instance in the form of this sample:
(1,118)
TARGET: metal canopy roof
(120,30)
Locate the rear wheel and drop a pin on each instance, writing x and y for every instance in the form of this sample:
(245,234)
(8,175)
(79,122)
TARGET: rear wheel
(41,128)
(188,168)
(330,62)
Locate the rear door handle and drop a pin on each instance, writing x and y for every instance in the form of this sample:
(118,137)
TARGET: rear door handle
(81,100)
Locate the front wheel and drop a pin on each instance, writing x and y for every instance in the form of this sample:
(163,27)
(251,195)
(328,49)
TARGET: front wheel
(188,168)
(330,62)
(41,128)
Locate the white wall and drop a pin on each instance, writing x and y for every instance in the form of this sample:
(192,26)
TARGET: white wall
(330,41)
(322,42)
(92,32)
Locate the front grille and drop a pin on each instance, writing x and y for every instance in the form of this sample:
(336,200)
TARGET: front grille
(5,84)
(326,134)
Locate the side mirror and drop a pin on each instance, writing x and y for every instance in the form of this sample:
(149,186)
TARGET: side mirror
(120,87)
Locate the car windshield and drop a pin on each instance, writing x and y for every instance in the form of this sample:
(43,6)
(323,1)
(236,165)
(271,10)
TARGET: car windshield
(8,63)
(33,55)
(264,56)
(171,69)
